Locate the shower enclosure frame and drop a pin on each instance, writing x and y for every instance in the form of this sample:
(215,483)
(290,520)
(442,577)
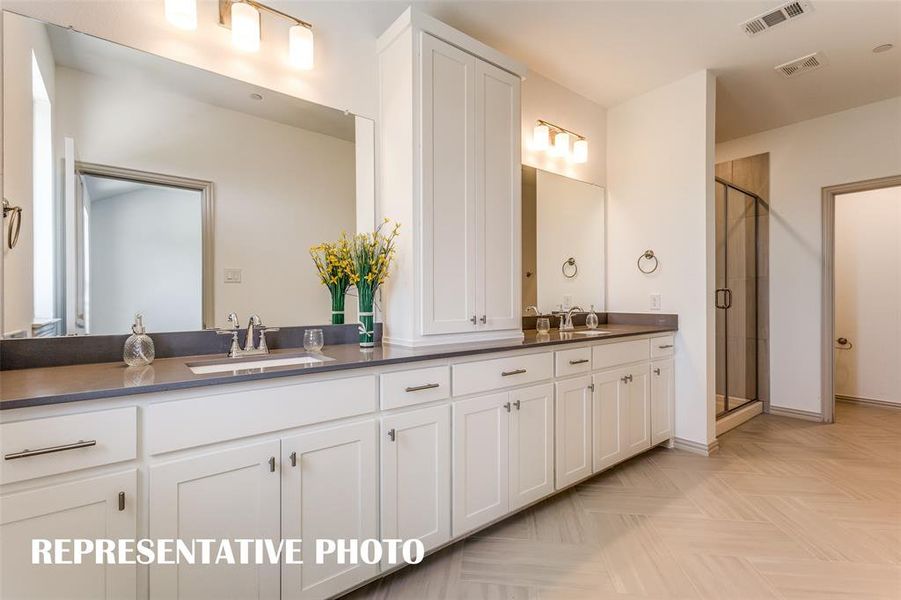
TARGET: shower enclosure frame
(758,202)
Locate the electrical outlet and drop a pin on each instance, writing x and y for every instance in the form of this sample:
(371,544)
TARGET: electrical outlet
(233,276)
(656,302)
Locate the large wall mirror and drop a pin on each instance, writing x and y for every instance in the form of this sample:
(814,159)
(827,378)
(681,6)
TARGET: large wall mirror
(563,242)
(147,185)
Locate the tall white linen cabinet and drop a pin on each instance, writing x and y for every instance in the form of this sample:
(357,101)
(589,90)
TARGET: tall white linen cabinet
(449,172)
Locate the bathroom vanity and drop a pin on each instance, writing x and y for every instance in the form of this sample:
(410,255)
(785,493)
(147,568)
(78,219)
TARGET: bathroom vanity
(433,444)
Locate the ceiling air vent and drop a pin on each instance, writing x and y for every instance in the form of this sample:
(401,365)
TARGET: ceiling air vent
(786,12)
(805,64)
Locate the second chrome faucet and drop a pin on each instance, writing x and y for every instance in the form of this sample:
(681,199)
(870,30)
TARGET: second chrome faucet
(255,324)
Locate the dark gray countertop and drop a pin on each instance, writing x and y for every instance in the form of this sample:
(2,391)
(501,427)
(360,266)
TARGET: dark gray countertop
(53,385)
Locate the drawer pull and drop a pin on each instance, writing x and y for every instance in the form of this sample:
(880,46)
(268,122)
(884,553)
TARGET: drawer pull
(50,449)
(581,361)
(272,464)
(392,435)
(293,458)
(418,388)
(514,372)
(121,501)
(665,346)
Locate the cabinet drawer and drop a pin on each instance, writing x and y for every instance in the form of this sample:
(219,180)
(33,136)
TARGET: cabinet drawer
(572,362)
(405,388)
(481,376)
(662,346)
(619,353)
(232,415)
(41,447)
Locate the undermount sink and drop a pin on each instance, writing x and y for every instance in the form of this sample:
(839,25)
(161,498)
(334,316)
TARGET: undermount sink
(256,363)
(589,332)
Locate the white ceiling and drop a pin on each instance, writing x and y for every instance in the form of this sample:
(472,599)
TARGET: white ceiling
(609,51)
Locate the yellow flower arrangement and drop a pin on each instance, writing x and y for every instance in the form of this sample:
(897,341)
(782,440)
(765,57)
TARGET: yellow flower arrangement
(371,255)
(335,267)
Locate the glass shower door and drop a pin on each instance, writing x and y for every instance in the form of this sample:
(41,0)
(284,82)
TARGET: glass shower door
(736,298)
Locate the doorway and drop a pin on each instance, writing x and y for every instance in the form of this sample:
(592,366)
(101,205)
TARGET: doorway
(861,291)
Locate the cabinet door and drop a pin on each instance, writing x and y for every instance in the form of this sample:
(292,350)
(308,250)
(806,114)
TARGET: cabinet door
(531,456)
(573,439)
(448,189)
(498,173)
(481,434)
(86,509)
(227,494)
(329,491)
(609,431)
(416,472)
(663,394)
(638,412)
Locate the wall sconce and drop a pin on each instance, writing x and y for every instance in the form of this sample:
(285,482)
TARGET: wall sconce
(555,140)
(244,17)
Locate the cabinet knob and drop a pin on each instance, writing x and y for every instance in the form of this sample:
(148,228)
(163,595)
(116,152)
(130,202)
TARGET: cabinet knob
(484,319)
(272,464)
(293,459)
(626,378)
(392,435)
(517,404)
(657,371)
(473,319)
(591,387)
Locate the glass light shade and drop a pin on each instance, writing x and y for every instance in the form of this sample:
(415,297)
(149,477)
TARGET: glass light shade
(300,47)
(245,27)
(182,13)
(541,137)
(580,151)
(561,144)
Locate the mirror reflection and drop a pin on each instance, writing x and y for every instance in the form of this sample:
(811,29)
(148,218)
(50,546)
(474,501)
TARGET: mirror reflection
(152,186)
(563,243)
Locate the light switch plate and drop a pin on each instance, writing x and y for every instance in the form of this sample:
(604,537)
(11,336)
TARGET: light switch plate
(233,276)
(656,302)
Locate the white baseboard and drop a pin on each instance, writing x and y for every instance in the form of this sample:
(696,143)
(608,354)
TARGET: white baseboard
(696,447)
(737,417)
(871,401)
(794,413)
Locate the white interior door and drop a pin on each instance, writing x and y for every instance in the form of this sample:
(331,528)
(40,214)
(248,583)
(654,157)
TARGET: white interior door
(416,468)
(329,492)
(531,444)
(448,188)
(498,175)
(573,427)
(481,434)
(609,431)
(228,494)
(84,509)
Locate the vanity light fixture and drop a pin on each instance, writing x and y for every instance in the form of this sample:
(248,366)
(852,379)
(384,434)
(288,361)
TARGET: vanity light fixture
(245,27)
(182,13)
(556,141)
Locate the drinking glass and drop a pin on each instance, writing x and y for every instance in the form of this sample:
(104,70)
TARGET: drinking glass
(312,340)
(543,324)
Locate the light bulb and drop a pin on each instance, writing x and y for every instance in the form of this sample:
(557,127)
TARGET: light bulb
(541,137)
(245,27)
(561,144)
(300,47)
(580,151)
(182,13)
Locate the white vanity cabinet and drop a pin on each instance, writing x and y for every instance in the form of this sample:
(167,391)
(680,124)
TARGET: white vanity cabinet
(573,427)
(224,494)
(663,396)
(329,491)
(609,399)
(101,507)
(531,454)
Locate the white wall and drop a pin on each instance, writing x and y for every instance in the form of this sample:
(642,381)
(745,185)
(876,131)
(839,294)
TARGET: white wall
(550,101)
(569,223)
(146,254)
(660,196)
(278,190)
(868,294)
(853,145)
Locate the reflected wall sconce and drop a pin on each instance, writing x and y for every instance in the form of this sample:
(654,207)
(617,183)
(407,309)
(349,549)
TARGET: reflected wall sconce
(244,18)
(559,141)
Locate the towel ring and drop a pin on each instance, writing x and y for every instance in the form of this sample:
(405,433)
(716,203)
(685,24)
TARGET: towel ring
(15,223)
(648,255)
(843,344)
(570,262)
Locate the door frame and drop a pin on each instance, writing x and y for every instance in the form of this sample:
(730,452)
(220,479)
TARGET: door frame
(206,217)
(827,346)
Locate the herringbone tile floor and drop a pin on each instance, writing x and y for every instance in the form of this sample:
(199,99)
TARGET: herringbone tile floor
(786,509)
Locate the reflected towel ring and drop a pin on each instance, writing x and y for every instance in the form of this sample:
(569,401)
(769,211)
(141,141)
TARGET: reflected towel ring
(648,255)
(570,262)
(844,344)
(15,223)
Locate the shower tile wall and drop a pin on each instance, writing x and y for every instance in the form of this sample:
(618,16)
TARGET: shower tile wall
(752,174)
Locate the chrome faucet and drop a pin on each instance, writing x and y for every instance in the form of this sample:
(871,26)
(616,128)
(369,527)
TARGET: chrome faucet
(255,324)
(533,309)
(566,319)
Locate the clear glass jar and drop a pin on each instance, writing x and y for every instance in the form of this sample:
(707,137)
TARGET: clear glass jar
(591,320)
(138,350)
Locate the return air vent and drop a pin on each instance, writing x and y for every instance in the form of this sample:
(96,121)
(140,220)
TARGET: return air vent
(786,12)
(805,64)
